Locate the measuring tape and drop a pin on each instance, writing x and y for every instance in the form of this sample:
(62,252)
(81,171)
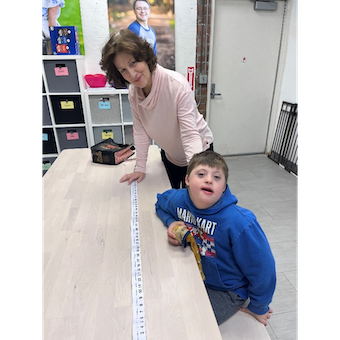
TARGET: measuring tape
(138,325)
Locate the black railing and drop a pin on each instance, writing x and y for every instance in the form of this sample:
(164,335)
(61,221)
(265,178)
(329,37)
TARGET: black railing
(285,143)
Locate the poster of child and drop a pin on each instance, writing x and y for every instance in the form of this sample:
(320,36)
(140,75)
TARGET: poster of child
(161,19)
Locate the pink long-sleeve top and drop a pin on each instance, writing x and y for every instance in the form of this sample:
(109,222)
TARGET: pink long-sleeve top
(169,116)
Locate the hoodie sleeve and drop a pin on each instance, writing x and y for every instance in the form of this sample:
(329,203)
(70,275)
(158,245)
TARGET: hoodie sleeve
(254,257)
(163,207)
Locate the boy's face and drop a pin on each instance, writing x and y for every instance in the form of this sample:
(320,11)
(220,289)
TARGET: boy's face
(206,185)
(142,11)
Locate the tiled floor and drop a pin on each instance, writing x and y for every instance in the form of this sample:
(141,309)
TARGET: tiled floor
(270,192)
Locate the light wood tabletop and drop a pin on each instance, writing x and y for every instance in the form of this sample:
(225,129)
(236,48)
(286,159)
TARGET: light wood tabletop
(87,256)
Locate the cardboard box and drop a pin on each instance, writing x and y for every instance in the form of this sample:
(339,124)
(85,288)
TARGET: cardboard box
(64,40)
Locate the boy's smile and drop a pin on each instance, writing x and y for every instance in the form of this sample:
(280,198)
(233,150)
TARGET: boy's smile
(206,186)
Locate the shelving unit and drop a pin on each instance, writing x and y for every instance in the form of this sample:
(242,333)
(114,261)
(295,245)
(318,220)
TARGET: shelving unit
(75,115)
(109,115)
(64,121)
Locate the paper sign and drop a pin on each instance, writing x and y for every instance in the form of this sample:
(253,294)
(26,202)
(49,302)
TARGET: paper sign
(45,137)
(107,134)
(104,105)
(61,71)
(72,135)
(67,105)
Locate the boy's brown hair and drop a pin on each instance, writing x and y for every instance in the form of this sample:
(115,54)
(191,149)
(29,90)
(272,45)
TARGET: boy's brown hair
(211,159)
(128,42)
(134,3)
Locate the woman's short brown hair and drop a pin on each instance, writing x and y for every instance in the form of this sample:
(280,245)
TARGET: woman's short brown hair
(128,42)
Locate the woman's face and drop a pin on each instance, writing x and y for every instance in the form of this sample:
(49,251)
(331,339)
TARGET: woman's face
(135,72)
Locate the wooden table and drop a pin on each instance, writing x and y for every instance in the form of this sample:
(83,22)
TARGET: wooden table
(87,267)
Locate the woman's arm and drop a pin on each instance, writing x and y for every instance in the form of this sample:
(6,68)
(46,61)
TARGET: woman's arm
(142,142)
(188,123)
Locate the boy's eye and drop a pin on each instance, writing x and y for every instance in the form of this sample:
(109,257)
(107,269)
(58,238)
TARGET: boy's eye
(217,177)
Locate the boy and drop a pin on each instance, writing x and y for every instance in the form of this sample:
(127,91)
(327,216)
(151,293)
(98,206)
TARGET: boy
(236,257)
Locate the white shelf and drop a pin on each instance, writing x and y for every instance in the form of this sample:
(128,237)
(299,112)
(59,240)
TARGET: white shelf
(115,118)
(63,57)
(95,122)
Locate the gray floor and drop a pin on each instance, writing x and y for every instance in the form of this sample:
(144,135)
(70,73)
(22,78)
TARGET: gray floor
(270,192)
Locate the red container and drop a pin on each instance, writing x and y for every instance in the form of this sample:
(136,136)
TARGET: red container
(95,80)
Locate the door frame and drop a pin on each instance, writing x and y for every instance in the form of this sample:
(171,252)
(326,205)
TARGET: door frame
(275,105)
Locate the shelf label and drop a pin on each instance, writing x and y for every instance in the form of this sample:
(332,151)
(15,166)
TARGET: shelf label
(72,135)
(46,166)
(107,134)
(67,105)
(61,71)
(45,137)
(104,105)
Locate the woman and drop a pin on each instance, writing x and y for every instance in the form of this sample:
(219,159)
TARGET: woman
(162,103)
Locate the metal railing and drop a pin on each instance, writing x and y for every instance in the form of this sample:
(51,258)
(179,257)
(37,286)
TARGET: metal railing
(285,143)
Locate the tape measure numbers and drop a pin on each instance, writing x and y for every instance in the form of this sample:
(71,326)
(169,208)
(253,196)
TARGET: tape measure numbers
(138,320)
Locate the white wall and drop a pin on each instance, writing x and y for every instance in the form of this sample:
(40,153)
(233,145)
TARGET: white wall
(286,89)
(95,25)
(185,34)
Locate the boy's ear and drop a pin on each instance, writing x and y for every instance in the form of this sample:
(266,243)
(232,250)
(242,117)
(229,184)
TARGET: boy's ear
(187,180)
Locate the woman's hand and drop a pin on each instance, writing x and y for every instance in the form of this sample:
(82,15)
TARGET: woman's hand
(139,176)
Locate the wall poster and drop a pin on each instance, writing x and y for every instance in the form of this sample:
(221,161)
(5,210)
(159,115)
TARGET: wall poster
(159,16)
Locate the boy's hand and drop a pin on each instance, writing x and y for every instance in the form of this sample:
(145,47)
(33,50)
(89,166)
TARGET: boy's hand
(261,318)
(171,235)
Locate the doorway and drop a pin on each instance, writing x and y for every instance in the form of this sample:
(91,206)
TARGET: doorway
(246,46)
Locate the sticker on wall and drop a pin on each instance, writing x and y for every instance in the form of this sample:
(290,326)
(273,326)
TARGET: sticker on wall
(191,76)
(244,59)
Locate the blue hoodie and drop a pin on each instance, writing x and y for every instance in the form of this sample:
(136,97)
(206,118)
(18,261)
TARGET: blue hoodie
(235,252)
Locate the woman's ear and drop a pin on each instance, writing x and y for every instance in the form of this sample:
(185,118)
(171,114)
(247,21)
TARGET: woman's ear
(187,180)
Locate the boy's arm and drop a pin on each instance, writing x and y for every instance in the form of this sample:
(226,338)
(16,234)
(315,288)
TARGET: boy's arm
(163,208)
(253,255)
